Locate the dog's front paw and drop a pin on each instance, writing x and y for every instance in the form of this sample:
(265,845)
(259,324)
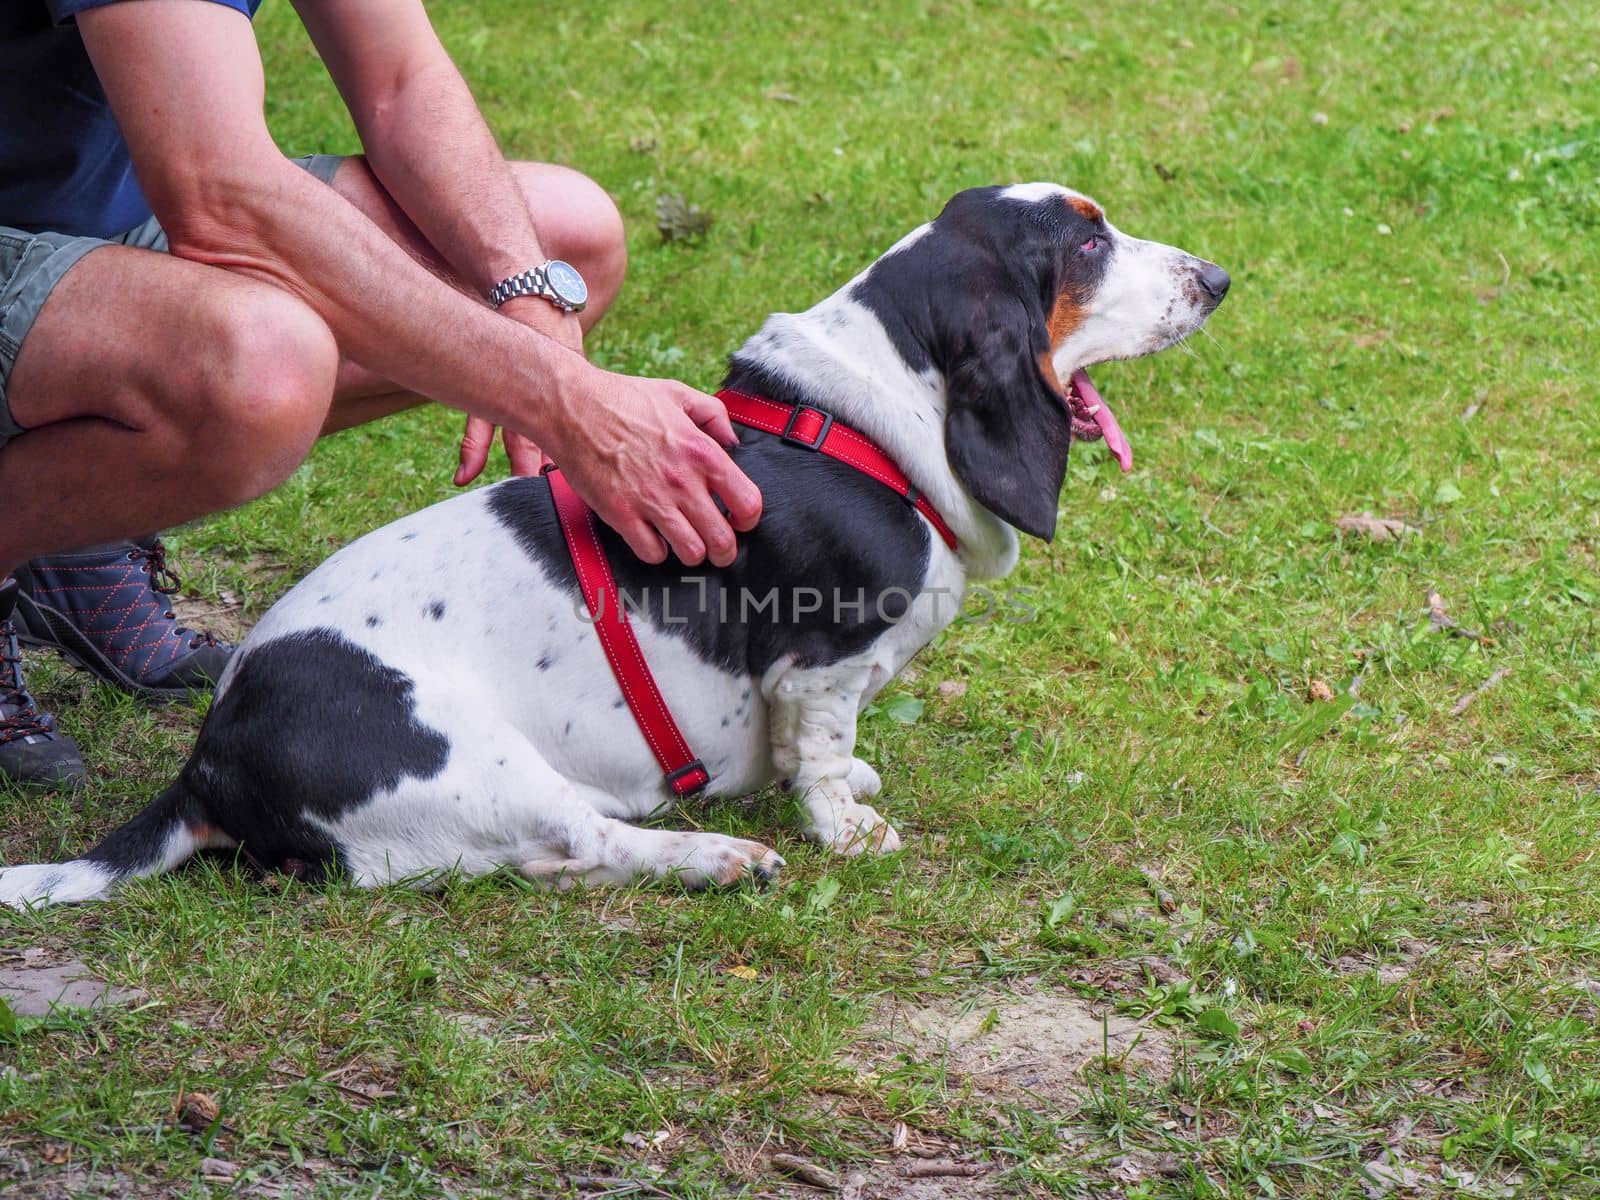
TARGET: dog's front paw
(717,861)
(857,829)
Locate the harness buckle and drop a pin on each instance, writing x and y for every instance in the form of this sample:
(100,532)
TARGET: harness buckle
(788,434)
(676,778)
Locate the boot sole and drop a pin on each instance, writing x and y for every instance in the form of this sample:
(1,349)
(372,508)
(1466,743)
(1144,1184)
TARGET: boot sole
(44,628)
(65,783)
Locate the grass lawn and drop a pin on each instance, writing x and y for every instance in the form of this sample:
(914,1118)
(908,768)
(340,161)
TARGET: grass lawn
(1358,936)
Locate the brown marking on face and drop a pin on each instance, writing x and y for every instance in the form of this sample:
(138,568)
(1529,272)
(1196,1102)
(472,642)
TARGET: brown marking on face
(1047,368)
(1086,208)
(1064,319)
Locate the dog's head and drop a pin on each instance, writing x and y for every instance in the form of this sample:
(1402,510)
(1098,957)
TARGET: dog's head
(1010,293)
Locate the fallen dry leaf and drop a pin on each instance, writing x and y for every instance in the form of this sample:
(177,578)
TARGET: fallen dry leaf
(744,972)
(196,1111)
(646,1141)
(1379,529)
(1319,690)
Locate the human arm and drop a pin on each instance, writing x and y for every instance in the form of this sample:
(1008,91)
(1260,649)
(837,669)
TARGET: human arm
(184,78)
(429,146)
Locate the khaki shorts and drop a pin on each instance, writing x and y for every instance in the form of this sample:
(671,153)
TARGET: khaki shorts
(31,264)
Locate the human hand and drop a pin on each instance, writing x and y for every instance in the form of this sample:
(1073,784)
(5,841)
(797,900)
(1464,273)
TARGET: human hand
(647,455)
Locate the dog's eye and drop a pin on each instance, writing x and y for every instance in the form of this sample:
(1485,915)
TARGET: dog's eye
(1091,245)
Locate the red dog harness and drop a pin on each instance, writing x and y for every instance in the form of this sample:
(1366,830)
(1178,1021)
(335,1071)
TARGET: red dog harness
(800,425)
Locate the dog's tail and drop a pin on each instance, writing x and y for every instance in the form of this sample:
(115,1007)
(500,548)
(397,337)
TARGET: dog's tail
(166,833)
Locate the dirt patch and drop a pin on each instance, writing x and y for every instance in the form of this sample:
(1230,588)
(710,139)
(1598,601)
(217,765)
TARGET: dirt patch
(22,1179)
(1411,953)
(33,985)
(223,617)
(1045,1042)
(885,1181)
(1040,1049)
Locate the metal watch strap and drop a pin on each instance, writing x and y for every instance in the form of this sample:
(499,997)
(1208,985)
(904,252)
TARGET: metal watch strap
(523,283)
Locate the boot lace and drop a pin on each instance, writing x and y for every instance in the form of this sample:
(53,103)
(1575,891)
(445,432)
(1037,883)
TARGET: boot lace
(19,717)
(164,579)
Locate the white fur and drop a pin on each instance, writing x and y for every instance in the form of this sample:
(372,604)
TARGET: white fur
(37,884)
(839,349)
(1148,301)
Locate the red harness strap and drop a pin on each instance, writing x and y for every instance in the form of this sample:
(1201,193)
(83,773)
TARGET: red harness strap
(802,425)
(814,429)
(685,773)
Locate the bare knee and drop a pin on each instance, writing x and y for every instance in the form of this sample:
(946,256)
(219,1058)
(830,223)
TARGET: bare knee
(264,391)
(579,222)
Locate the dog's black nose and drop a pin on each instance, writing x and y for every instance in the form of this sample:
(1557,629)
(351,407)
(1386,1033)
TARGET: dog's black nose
(1215,280)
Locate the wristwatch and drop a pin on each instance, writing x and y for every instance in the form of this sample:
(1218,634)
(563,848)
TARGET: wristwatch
(555,281)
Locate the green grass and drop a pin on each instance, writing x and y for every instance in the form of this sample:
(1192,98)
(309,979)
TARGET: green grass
(1384,928)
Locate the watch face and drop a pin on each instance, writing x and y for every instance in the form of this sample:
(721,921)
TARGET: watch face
(565,281)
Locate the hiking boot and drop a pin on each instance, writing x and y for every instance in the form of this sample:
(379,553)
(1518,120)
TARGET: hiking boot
(33,753)
(109,611)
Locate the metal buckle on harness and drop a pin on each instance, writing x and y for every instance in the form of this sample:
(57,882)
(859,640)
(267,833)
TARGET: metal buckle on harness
(685,772)
(788,434)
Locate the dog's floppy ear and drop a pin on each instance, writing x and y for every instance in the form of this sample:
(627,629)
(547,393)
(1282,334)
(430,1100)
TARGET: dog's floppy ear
(1006,431)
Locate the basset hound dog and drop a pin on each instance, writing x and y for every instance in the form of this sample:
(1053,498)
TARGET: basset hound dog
(434,700)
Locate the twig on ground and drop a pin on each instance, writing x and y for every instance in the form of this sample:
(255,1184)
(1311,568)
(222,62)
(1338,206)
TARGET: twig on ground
(325,1081)
(932,1170)
(1445,623)
(806,1171)
(615,1185)
(1461,705)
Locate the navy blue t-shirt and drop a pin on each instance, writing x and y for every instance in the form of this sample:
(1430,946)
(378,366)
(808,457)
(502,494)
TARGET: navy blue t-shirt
(63,163)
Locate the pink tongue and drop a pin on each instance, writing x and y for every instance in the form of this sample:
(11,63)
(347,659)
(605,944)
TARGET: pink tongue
(1116,441)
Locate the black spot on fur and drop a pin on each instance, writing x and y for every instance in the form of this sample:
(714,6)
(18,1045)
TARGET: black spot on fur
(546,662)
(311,725)
(409,537)
(373,621)
(436,610)
(567,732)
